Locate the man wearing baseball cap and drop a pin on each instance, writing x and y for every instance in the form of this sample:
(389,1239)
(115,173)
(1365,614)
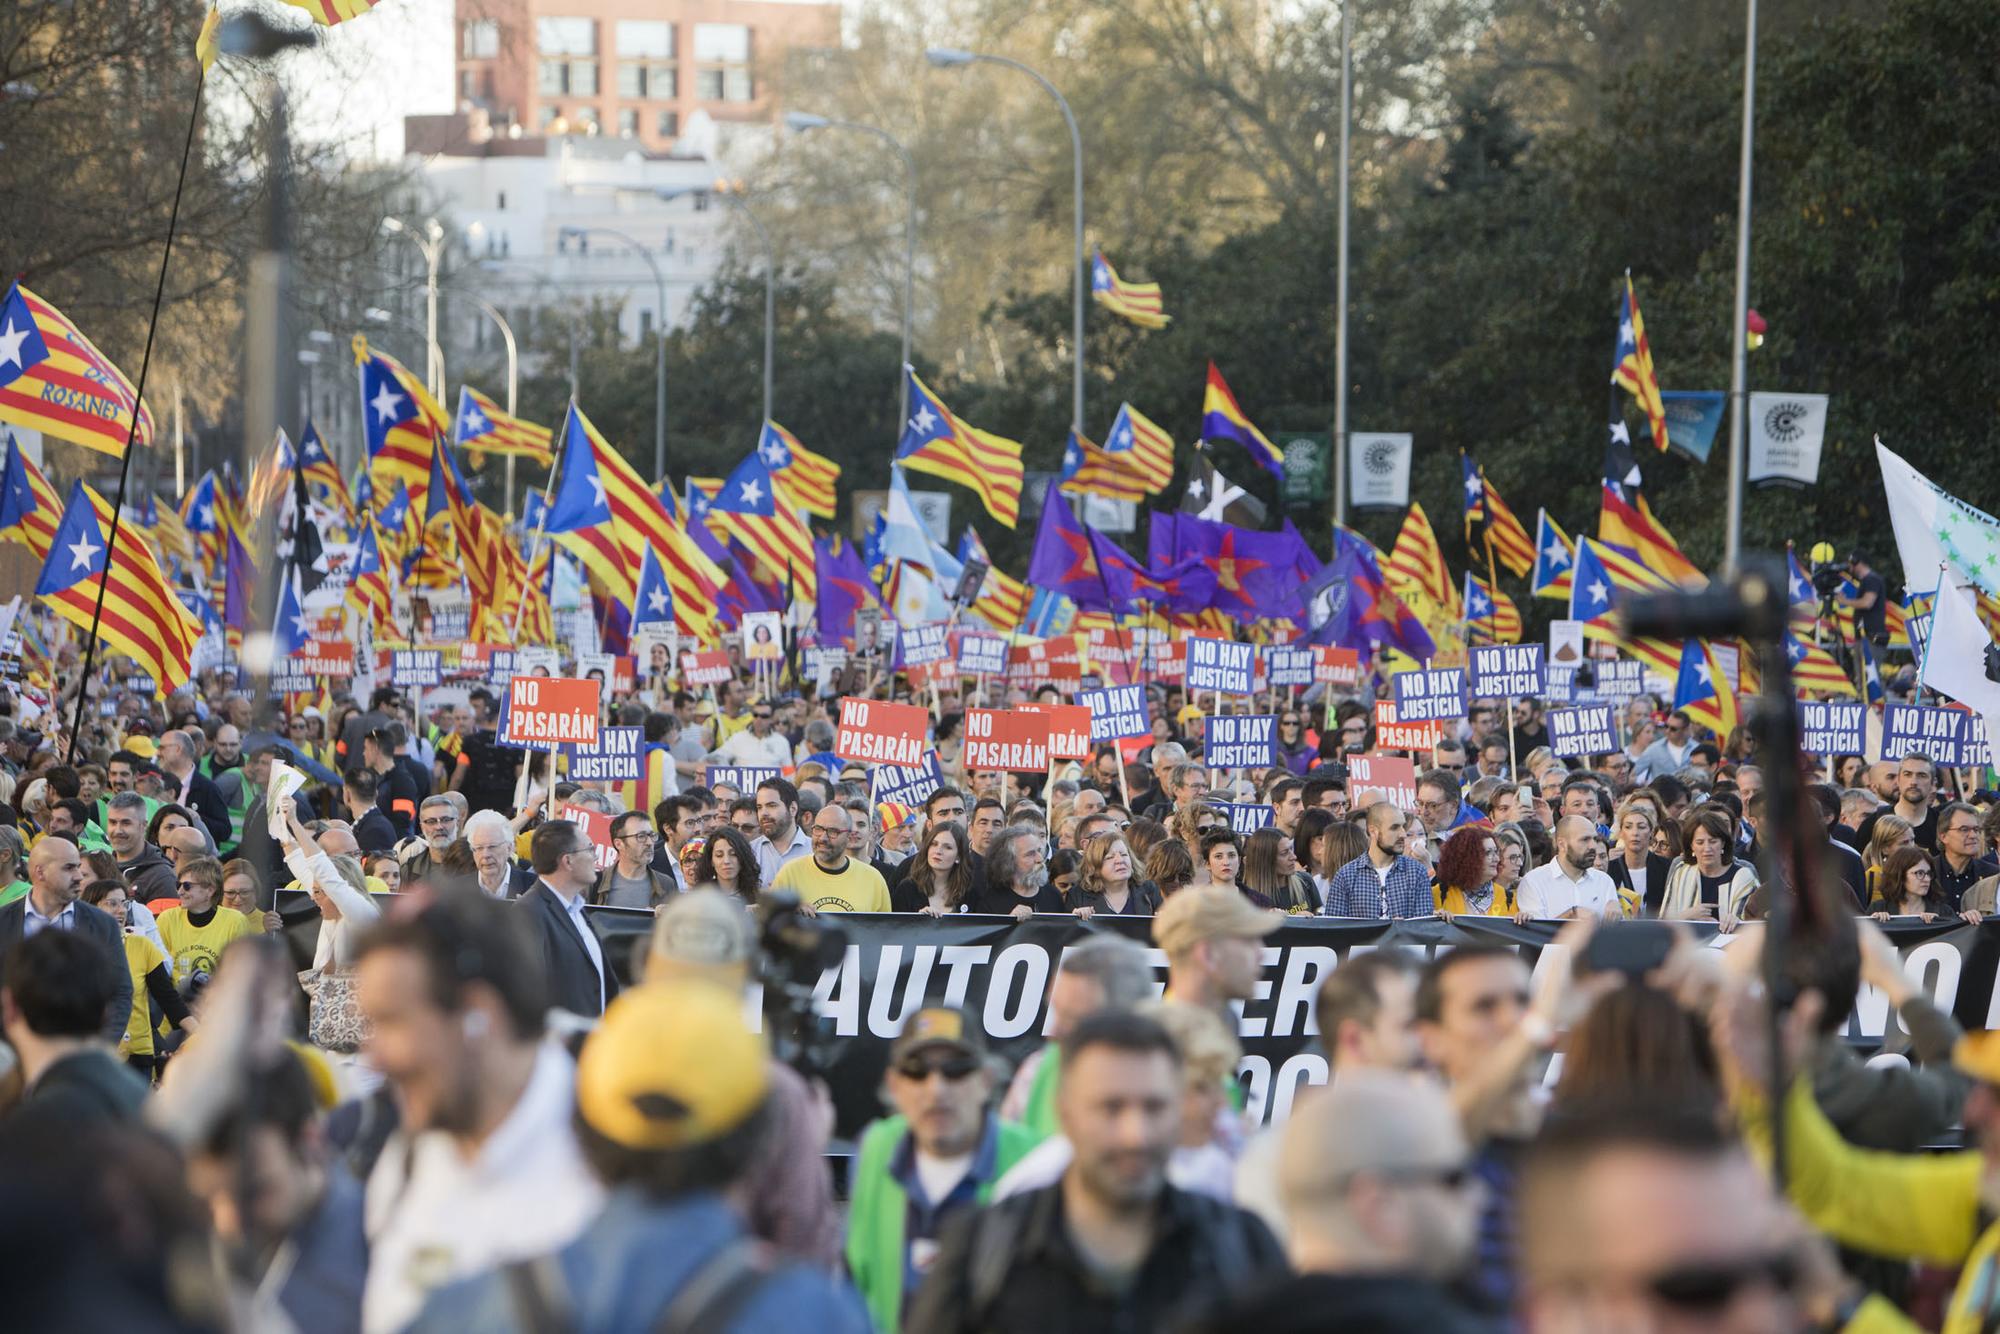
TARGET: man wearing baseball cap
(1213,938)
(937,1157)
(671,1104)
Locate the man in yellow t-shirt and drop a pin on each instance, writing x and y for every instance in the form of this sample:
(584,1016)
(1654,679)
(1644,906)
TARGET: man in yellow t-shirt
(830,880)
(197,932)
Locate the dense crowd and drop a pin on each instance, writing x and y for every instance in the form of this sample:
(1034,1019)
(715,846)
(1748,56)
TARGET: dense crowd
(315,1023)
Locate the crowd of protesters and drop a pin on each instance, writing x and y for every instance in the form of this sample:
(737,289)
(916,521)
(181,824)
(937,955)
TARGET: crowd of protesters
(360,1054)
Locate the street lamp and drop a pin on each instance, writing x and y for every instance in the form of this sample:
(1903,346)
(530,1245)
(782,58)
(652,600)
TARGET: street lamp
(945,57)
(721,191)
(492,312)
(431,242)
(802,122)
(659,330)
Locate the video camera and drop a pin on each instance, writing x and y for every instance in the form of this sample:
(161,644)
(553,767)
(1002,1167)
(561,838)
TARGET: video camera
(794,949)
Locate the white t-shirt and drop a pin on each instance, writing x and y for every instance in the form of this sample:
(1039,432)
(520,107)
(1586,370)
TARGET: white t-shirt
(1547,892)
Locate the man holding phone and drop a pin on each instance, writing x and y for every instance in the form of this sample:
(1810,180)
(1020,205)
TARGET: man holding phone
(1571,885)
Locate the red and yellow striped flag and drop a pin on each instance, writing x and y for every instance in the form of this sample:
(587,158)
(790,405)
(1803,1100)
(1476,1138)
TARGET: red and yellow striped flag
(1417,562)
(54,380)
(30,511)
(326,13)
(485,425)
(1511,544)
(142,616)
(807,477)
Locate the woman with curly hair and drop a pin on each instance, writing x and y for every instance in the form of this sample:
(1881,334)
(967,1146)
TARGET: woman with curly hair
(728,864)
(1467,869)
(940,878)
(1107,881)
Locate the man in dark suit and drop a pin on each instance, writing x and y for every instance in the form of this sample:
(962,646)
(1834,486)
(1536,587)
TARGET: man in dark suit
(56,877)
(191,787)
(577,972)
(372,829)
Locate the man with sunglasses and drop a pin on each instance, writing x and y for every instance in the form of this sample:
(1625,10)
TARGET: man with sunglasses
(939,1156)
(759,745)
(1670,753)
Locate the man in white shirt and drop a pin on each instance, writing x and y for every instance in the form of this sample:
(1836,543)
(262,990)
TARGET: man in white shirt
(779,838)
(485,1168)
(758,745)
(1571,885)
(1670,753)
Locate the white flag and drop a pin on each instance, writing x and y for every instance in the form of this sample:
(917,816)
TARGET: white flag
(1955,663)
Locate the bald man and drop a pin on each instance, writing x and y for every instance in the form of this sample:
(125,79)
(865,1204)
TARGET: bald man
(56,876)
(1381,1210)
(1571,885)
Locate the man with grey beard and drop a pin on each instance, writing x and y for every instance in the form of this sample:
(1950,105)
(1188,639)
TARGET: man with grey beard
(1017,876)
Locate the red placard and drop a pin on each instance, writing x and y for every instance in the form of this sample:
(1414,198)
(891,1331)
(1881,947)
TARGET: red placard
(1391,734)
(1336,666)
(597,826)
(549,711)
(706,669)
(872,731)
(1069,731)
(1170,661)
(325,657)
(1007,739)
(1390,778)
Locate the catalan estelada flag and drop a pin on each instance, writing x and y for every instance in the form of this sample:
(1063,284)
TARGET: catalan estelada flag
(322,474)
(1504,532)
(1702,689)
(400,421)
(1138,302)
(1223,419)
(54,380)
(368,583)
(1626,521)
(329,12)
(939,443)
(1135,461)
(142,618)
(1632,365)
(1416,563)
(1555,556)
(808,478)
(483,424)
(30,511)
(756,512)
(1814,669)
(1489,613)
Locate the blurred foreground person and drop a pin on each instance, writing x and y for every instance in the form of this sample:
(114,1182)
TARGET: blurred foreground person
(672,1091)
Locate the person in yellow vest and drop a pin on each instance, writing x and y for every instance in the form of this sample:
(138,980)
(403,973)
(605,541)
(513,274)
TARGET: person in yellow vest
(196,932)
(939,1156)
(152,977)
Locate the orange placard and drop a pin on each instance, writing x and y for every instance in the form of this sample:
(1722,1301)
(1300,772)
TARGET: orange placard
(545,712)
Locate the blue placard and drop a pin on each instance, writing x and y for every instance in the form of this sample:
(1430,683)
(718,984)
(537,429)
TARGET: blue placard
(1974,750)
(925,644)
(1221,665)
(1244,817)
(1585,730)
(982,655)
(1509,671)
(1616,681)
(744,778)
(614,759)
(1422,696)
(1831,726)
(1692,418)
(907,785)
(1288,665)
(1911,729)
(500,668)
(1115,712)
(1240,741)
(416,667)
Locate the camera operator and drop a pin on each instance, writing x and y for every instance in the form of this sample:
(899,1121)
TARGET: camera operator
(787,1192)
(1870,600)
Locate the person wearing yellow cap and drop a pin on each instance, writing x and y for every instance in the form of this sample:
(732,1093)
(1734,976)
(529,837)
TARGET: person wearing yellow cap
(672,1094)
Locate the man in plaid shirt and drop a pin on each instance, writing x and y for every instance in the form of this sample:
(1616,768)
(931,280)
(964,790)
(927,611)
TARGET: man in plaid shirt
(1382,882)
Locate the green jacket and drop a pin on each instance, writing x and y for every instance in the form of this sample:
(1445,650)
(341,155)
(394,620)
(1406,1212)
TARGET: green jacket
(879,1206)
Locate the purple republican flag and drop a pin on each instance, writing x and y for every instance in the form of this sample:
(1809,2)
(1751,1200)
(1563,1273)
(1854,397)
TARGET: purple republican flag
(844,588)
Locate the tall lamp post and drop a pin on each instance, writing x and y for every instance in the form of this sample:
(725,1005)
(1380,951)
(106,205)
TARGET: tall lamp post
(430,241)
(1340,275)
(951,58)
(659,329)
(803,122)
(1739,369)
(492,312)
(731,198)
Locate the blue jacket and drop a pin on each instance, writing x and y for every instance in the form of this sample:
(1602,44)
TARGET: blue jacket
(633,1260)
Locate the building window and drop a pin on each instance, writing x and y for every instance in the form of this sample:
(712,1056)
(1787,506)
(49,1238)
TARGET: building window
(628,123)
(648,38)
(575,77)
(668,126)
(722,85)
(652,83)
(722,43)
(566,37)
(583,78)
(501,201)
(479,39)
(645,326)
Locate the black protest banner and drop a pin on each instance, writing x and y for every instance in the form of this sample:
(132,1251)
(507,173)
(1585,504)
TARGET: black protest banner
(999,969)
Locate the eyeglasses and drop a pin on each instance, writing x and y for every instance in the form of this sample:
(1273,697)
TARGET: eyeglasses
(916,1069)
(190,884)
(439,821)
(1288,722)
(1712,1286)
(646,836)
(760,717)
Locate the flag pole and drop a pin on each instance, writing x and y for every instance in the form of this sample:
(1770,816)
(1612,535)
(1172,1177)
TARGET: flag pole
(541,531)
(132,435)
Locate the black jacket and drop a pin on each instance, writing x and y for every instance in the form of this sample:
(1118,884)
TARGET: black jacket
(374,832)
(204,798)
(1656,876)
(571,977)
(1012,1266)
(89,922)
(149,875)
(1342,1304)
(86,1088)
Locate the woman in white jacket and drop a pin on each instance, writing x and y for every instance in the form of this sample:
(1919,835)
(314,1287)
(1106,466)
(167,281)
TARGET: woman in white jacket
(337,887)
(1708,884)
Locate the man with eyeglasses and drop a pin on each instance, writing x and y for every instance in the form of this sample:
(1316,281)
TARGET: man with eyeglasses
(1962,861)
(437,828)
(1441,802)
(1381,1211)
(631,881)
(938,1157)
(758,745)
(1670,754)
(830,880)
(578,975)
(491,839)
